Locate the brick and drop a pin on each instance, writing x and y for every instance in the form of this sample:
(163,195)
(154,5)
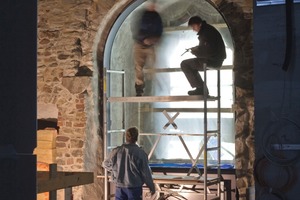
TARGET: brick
(45,155)
(46,144)
(46,135)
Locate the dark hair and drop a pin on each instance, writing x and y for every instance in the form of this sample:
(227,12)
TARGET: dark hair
(132,134)
(195,20)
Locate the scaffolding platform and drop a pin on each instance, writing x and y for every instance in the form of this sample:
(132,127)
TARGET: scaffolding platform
(183,180)
(180,186)
(203,182)
(161,98)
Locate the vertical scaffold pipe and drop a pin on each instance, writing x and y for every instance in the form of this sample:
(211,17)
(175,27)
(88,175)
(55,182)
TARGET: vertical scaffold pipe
(205,94)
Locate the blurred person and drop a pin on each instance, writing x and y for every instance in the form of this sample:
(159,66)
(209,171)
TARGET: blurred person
(130,169)
(211,50)
(146,33)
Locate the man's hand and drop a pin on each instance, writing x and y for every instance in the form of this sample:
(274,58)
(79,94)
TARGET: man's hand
(151,195)
(195,51)
(194,48)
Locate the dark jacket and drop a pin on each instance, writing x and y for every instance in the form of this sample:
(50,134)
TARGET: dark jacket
(129,166)
(211,45)
(150,25)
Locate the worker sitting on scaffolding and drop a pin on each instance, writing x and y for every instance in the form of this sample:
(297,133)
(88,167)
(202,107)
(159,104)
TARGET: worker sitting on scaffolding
(211,50)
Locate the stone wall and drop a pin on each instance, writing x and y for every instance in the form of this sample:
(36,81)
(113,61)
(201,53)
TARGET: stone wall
(239,16)
(66,32)
(71,40)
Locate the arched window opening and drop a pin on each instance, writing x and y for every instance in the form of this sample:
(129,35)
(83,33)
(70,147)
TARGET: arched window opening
(148,117)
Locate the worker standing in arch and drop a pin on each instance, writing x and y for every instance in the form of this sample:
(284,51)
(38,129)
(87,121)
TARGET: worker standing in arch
(148,32)
(211,50)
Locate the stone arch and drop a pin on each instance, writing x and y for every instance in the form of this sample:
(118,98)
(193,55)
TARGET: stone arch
(104,24)
(101,38)
(239,23)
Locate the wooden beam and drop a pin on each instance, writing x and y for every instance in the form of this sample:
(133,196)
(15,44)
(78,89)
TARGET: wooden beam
(62,180)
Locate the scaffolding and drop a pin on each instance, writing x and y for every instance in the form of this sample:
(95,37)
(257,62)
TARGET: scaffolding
(202,179)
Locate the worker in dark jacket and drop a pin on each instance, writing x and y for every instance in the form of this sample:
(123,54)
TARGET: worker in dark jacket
(211,50)
(147,32)
(129,166)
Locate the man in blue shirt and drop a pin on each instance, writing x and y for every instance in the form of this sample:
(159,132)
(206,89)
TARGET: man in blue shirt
(129,168)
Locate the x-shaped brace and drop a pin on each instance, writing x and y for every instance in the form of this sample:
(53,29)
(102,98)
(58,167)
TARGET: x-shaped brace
(171,120)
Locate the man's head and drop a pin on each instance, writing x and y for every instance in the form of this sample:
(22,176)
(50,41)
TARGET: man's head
(132,134)
(151,6)
(195,22)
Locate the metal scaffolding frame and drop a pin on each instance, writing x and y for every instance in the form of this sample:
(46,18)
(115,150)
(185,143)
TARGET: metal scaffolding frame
(203,178)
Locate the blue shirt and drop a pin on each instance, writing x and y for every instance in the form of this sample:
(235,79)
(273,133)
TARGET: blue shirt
(129,167)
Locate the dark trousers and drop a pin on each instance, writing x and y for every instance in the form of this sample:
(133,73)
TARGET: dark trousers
(191,68)
(129,193)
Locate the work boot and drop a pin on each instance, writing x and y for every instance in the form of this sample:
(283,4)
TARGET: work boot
(139,90)
(197,91)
